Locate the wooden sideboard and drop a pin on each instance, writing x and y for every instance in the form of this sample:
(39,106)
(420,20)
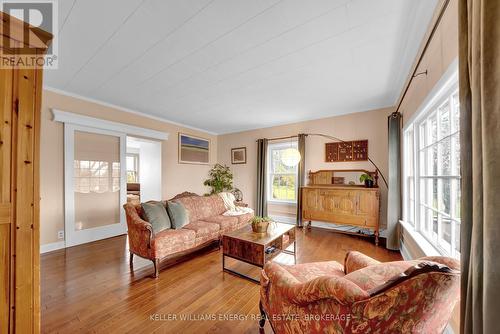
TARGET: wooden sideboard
(353,205)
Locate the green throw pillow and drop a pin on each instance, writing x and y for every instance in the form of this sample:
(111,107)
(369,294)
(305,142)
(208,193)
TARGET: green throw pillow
(156,214)
(179,216)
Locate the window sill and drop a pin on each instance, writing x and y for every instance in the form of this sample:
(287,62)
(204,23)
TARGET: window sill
(275,202)
(425,246)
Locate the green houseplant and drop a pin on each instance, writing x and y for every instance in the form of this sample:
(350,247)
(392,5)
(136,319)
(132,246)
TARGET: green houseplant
(220,179)
(367,179)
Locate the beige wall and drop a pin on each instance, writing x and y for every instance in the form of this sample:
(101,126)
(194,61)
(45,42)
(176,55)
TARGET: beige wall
(441,52)
(371,125)
(176,177)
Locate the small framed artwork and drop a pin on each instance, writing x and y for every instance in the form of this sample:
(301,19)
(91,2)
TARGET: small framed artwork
(193,150)
(239,155)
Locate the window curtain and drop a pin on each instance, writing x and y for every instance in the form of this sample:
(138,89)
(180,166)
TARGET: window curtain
(261,201)
(301,175)
(479,76)
(394,181)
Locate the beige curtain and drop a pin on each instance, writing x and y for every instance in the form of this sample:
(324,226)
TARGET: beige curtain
(479,62)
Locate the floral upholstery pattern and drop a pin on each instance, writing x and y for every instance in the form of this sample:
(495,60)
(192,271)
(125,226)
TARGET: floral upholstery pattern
(204,231)
(171,241)
(201,207)
(356,260)
(308,271)
(226,223)
(326,300)
(206,224)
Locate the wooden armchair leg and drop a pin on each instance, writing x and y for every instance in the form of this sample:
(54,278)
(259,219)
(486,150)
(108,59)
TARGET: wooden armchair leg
(131,259)
(156,264)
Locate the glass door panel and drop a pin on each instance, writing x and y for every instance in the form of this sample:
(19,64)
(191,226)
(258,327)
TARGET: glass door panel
(95,184)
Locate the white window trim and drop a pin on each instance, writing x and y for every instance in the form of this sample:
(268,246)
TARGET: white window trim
(443,88)
(271,200)
(76,119)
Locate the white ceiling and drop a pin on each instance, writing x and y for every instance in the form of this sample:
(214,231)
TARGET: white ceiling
(232,65)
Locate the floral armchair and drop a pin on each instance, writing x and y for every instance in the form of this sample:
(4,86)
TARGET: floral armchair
(363,296)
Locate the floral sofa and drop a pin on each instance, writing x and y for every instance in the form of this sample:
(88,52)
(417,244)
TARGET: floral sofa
(363,296)
(206,225)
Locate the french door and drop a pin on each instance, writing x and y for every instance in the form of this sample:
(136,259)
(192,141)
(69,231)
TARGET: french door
(95,184)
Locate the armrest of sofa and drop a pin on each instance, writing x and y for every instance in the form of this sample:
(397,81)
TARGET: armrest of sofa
(355,260)
(140,232)
(289,288)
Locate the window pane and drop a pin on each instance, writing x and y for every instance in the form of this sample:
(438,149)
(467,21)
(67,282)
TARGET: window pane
(434,203)
(444,120)
(445,201)
(433,129)
(455,146)
(446,228)
(283,187)
(445,152)
(456,113)
(423,134)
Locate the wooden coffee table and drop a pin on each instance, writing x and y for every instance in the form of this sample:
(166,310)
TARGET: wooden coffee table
(250,247)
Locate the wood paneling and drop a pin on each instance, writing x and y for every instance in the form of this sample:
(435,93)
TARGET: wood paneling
(20,98)
(91,289)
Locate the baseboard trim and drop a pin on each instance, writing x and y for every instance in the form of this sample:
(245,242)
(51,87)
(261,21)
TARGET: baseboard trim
(52,247)
(405,253)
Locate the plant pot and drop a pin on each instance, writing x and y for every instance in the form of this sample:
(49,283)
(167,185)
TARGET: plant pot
(260,227)
(369,183)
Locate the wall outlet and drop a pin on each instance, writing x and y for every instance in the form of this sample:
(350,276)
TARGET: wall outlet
(60,234)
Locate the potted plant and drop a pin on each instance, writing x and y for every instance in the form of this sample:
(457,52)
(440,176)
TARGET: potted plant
(220,179)
(260,224)
(367,179)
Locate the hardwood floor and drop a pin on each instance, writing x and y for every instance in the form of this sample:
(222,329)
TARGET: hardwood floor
(91,288)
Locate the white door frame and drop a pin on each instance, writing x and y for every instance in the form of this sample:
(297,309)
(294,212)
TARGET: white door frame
(72,236)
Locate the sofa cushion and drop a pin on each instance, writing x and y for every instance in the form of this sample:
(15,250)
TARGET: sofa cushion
(204,231)
(200,207)
(308,271)
(226,223)
(171,241)
(156,215)
(179,216)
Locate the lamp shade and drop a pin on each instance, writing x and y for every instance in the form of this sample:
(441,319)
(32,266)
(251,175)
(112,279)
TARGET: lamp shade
(290,157)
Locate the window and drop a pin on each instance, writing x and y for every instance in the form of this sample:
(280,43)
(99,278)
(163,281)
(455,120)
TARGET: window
(132,168)
(95,176)
(431,173)
(282,179)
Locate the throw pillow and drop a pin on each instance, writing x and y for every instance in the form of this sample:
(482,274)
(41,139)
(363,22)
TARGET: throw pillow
(156,214)
(179,216)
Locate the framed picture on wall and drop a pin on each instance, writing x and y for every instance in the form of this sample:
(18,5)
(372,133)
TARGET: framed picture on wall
(193,150)
(239,155)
